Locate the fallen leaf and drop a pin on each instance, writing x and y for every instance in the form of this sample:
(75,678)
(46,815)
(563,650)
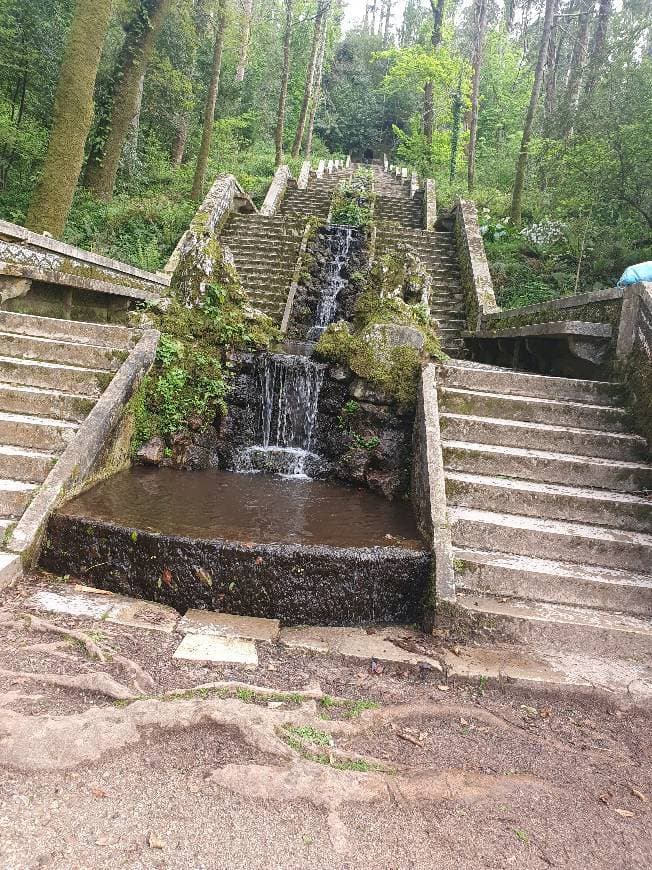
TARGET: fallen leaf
(457,650)
(605,797)
(376,667)
(463,721)
(98,792)
(639,794)
(530,712)
(155,842)
(416,741)
(624,813)
(443,688)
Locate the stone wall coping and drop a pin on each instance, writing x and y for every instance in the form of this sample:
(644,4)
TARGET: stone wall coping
(79,282)
(577,300)
(549,328)
(78,461)
(276,191)
(479,288)
(435,511)
(20,235)
(292,292)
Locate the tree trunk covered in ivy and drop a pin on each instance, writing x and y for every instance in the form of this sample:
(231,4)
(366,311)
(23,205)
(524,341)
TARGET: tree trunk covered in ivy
(140,36)
(73,115)
(480,14)
(437,9)
(521,165)
(285,75)
(209,108)
(309,89)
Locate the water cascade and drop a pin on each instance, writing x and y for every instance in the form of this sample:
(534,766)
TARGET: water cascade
(336,279)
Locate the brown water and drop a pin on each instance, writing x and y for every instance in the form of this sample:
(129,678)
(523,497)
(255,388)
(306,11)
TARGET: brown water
(255,508)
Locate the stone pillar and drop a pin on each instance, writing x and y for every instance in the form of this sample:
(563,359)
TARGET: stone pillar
(276,191)
(628,319)
(320,169)
(304,175)
(429,204)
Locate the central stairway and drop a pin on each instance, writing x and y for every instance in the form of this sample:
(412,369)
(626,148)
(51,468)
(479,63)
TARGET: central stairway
(549,507)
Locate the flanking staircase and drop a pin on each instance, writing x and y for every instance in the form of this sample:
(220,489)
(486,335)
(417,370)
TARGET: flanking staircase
(550,508)
(315,199)
(399,220)
(51,374)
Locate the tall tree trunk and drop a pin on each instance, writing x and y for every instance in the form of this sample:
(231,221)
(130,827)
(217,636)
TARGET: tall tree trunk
(285,75)
(455,130)
(73,114)
(596,49)
(480,15)
(319,70)
(245,40)
(130,150)
(521,165)
(322,8)
(437,9)
(388,22)
(140,37)
(180,139)
(209,107)
(550,77)
(576,73)
(374,5)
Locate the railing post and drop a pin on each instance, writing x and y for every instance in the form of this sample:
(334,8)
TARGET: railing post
(320,169)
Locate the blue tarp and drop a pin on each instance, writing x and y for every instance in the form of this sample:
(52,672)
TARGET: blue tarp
(634,274)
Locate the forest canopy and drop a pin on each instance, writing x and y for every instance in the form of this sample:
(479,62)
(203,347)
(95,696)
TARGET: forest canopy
(116,115)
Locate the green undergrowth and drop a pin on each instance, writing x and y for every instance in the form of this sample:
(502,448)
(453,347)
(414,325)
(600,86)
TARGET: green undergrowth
(353,200)
(205,322)
(366,346)
(313,745)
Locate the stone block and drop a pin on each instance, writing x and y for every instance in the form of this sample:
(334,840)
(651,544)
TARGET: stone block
(144,614)
(228,625)
(209,648)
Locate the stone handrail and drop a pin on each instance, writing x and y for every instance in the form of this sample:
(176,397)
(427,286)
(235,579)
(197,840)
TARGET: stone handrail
(212,214)
(476,277)
(42,252)
(97,446)
(428,489)
(276,191)
(304,175)
(296,275)
(320,168)
(634,352)
(429,204)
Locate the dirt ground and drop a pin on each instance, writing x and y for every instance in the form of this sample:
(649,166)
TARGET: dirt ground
(112,758)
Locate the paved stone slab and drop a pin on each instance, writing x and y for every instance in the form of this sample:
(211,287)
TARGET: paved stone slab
(358,643)
(209,648)
(99,604)
(144,614)
(229,625)
(72,604)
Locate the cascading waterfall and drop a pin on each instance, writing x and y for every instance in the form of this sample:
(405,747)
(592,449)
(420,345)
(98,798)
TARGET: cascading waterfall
(336,279)
(289,386)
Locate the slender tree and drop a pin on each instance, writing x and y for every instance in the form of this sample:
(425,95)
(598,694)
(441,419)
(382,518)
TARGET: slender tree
(597,47)
(322,9)
(577,67)
(285,75)
(314,103)
(388,22)
(73,114)
(140,36)
(245,40)
(521,165)
(182,128)
(211,101)
(437,9)
(480,15)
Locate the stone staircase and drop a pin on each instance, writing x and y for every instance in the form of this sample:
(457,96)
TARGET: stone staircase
(549,507)
(51,374)
(399,220)
(314,199)
(265,252)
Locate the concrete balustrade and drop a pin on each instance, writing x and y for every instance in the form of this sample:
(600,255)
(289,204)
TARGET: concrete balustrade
(304,175)
(276,191)
(321,168)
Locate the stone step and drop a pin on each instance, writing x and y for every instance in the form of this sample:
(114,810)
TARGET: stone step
(69,352)
(37,433)
(546,466)
(493,379)
(543,580)
(551,539)
(15,495)
(531,409)
(11,567)
(71,379)
(98,334)
(578,504)
(560,626)
(19,463)
(45,403)
(543,436)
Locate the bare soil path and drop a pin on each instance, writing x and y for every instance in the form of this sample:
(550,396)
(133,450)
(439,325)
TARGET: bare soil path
(111,757)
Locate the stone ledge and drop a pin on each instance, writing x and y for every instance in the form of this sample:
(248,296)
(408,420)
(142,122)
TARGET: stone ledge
(79,282)
(550,328)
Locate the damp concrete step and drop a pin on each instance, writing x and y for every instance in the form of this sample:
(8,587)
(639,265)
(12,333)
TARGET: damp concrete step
(544,580)
(547,466)
(493,379)
(23,464)
(73,379)
(80,332)
(45,402)
(560,627)
(532,409)
(15,495)
(543,436)
(578,504)
(69,352)
(551,539)
(38,433)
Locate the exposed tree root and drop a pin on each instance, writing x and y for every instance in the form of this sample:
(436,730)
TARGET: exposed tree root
(99,683)
(310,693)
